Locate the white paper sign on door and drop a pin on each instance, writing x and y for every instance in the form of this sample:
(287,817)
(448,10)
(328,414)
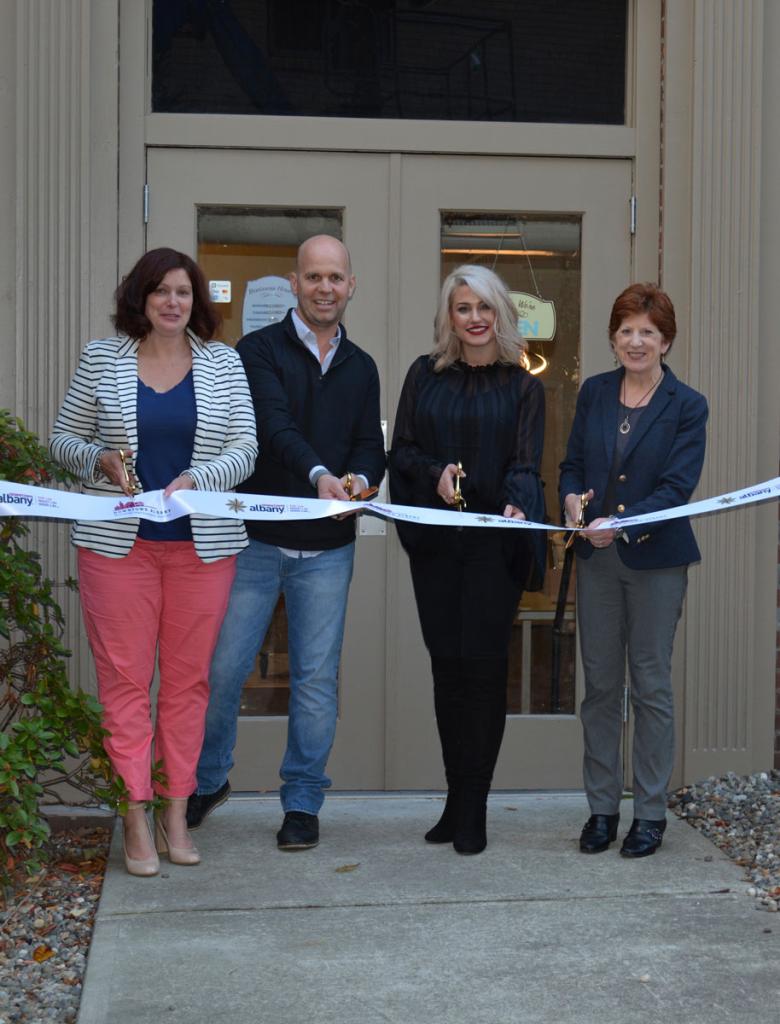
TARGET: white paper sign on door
(266,301)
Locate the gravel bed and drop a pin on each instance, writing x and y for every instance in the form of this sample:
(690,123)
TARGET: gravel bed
(45,929)
(741,815)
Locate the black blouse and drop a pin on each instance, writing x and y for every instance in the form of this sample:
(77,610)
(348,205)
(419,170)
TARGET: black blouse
(488,418)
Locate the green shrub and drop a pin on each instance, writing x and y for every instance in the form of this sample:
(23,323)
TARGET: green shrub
(50,734)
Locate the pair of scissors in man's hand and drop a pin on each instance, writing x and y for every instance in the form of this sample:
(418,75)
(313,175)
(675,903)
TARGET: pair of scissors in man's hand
(365,495)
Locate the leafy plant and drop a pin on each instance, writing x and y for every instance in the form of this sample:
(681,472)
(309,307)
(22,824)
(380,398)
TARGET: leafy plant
(50,734)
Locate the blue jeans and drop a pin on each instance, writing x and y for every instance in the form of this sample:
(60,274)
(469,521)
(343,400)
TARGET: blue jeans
(315,591)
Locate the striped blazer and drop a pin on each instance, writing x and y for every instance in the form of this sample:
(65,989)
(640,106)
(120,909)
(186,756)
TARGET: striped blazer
(99,411)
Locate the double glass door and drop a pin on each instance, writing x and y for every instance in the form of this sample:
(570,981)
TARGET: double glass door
(557,232)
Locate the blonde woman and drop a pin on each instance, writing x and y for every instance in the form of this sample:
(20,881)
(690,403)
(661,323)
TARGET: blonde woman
(470,403)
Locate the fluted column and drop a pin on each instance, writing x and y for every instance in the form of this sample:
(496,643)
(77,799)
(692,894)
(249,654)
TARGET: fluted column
(65,232)
(725,365)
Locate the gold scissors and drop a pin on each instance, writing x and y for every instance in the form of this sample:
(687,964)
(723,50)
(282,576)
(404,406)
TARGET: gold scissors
(580,521)
(459,499)
(364,495)
(123,457)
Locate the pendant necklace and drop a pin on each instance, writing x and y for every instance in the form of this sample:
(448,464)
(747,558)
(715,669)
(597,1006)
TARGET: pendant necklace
(625,426)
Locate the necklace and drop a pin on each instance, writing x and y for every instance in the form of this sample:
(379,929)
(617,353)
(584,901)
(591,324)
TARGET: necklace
(625,426)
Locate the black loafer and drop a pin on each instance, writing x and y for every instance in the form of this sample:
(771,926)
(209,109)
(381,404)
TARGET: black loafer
(643,838)
(299,831)
(600,830)
(200,805)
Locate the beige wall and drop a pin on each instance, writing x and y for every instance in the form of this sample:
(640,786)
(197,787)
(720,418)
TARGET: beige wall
(720,132)
(71,219)
(768,419)
(64,146)
(7,205)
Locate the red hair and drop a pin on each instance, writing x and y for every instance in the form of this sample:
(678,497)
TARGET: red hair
(648,299)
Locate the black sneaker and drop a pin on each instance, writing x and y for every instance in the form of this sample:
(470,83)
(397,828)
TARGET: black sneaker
(299,831)
(200,805)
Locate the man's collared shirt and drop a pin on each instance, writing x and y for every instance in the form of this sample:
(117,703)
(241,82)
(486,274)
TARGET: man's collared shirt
(309,339)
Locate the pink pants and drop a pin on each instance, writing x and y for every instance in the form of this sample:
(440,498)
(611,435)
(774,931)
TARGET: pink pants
(160,595)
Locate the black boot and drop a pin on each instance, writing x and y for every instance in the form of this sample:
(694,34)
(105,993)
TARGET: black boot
(484,720)
(471,828)
(444,829)
(448,704)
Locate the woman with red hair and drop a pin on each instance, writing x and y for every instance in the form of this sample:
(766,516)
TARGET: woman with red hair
(636,446)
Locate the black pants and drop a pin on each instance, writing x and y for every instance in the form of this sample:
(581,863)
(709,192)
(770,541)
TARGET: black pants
(467,598)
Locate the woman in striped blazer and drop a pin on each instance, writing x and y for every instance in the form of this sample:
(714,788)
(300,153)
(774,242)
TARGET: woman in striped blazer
(157,408)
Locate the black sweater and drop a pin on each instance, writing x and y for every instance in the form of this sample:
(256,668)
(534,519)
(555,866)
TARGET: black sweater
(306,418)
(489,418)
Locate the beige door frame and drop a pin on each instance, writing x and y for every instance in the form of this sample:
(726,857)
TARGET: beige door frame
(386,736)
(184,179)
(539,751)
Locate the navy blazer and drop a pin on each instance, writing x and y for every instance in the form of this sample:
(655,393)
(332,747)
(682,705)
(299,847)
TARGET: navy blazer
(660,468)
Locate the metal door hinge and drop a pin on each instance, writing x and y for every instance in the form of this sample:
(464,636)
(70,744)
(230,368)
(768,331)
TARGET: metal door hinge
(632,214)
(146,202)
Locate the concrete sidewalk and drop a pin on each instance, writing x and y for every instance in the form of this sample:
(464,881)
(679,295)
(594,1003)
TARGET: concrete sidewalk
(376,926)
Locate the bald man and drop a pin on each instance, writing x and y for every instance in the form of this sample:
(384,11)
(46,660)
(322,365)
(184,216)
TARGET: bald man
(316,398)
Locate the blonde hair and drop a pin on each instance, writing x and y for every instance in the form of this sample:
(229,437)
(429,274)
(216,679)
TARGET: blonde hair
(489,287)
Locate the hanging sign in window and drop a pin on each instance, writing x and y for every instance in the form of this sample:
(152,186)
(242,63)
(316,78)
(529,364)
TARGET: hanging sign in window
(535,316)
(266,301)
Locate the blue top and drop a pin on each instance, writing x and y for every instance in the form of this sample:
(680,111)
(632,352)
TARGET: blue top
(166,434)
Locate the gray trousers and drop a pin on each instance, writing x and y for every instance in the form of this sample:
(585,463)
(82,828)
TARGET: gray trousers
(627,612)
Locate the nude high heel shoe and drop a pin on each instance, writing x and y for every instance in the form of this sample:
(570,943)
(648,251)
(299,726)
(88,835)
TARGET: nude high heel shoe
(184,855)
(143,867)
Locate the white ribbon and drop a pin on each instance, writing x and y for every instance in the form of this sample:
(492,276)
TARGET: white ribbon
(734,499)
(24,500)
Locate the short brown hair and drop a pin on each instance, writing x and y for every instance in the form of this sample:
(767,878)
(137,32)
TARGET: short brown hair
(130,297)
(648,299)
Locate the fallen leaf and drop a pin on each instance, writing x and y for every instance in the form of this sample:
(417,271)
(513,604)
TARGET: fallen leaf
(41,953)
(67,866)
(79,912)
(347,867)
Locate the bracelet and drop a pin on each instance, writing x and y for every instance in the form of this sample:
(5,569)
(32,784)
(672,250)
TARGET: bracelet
(96,467)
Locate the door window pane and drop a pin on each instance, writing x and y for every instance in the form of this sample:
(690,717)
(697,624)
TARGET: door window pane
(446,60)
(239,245)
(246,254)
(538,256)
